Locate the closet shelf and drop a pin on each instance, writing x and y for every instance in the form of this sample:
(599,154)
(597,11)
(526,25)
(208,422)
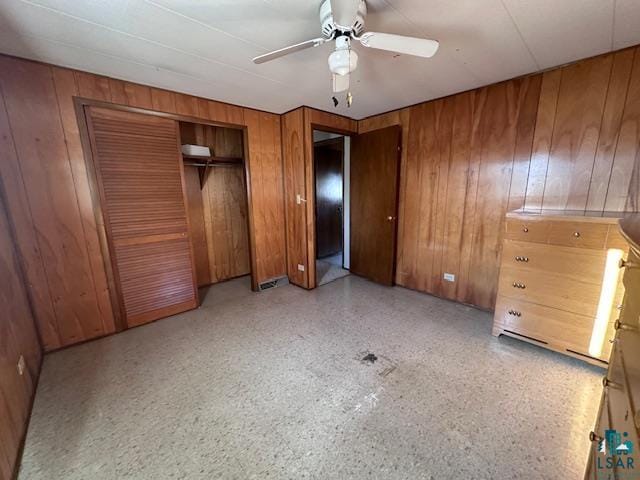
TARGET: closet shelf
(206,163)
(213,159)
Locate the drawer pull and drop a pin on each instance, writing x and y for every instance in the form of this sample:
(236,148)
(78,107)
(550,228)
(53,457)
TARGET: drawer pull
(625,264)
(525,229)
(618,325)
(576,234)
(608,383)
(593,437)
(522,259)
(515,313)
(519,285)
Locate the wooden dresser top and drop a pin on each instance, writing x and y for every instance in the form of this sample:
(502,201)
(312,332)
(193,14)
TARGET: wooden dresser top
(569,215)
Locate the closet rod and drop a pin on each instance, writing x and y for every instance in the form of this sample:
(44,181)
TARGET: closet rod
(227,164)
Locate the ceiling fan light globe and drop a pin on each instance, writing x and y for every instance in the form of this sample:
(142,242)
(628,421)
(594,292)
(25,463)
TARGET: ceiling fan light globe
(343,62)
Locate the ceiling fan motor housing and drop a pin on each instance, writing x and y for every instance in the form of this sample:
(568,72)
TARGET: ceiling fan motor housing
(329,28)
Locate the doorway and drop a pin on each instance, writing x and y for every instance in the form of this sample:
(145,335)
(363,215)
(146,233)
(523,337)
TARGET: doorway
(331,165)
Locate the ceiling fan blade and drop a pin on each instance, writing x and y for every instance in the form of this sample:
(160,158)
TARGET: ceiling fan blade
(344,12)
(287,50)
(340,83)
(420,47)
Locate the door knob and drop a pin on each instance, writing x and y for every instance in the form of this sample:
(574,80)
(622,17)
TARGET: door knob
(390,218)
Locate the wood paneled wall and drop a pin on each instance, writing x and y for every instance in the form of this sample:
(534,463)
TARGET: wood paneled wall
(294,184)
(297,148)
(44,175)
(49,198)
(586,143)
(266,195)
(568,138)
(17,337)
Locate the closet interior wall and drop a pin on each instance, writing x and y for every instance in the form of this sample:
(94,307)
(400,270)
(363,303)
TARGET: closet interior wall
(217,203)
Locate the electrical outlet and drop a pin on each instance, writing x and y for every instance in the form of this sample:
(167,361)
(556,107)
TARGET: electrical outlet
(449,277)
(301,267)
(22,366)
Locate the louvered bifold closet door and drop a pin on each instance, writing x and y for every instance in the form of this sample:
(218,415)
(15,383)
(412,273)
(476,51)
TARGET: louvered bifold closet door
(141,181)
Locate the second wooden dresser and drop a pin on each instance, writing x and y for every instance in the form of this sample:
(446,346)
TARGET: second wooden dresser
(560,283)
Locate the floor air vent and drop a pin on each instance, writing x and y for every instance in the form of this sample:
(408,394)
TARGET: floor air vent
(278,282)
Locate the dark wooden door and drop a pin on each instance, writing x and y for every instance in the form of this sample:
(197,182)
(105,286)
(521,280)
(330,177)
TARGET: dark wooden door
(375,167)
(141,182)
(328,173)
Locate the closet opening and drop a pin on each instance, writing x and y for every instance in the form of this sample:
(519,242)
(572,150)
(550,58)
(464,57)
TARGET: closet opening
(331,165)
(173,220)
(216,192)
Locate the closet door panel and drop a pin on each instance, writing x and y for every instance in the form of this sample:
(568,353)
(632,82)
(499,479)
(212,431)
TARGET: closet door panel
(141,184)
(156,279)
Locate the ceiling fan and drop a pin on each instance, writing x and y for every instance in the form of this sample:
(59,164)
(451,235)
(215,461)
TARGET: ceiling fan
(343,21)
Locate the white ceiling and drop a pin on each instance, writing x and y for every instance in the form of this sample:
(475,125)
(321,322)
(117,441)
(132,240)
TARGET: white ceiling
(205,47)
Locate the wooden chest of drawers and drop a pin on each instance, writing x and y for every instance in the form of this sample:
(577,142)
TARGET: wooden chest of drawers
(560,284)
(619,414)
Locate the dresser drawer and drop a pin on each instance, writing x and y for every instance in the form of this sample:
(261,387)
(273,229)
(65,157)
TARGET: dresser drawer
(628,348)
(581,264)
(563,330)
(579,234)
(630,312)
(527,230)
(550,289)
(620,403)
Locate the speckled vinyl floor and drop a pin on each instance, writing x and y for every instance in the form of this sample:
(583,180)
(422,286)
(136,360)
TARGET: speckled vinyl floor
(272,385)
